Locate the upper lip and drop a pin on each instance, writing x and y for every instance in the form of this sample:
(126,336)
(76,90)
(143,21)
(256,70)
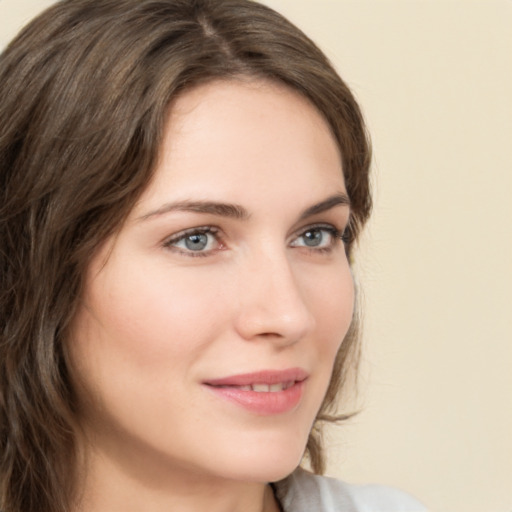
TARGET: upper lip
(261,377)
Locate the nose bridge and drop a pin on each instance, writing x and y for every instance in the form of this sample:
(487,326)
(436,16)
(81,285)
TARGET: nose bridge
(272,302)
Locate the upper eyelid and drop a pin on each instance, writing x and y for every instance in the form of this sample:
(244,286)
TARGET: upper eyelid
(170,243)
(217,233)
(318,225)
(190,231)
(210,228)
(216,230)
(341,234)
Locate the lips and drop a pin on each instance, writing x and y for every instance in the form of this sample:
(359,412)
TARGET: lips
(265,392)
(268,377)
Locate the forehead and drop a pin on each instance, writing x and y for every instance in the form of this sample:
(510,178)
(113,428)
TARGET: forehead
(240,139)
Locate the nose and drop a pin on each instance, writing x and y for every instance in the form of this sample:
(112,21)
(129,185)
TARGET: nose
(271,303)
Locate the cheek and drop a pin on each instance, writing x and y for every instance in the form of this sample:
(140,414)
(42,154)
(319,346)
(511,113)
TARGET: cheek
(335,316)
(330,295)
(153,315)
(331,298)
(140,335)
(135,351)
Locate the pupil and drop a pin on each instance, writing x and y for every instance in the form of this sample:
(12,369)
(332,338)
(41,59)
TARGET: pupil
(313,238)
(196,242)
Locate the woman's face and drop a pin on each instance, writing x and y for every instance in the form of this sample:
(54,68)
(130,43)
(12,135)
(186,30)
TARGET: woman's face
(209,325)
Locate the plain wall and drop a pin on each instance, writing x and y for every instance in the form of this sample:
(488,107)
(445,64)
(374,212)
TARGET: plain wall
(435,80)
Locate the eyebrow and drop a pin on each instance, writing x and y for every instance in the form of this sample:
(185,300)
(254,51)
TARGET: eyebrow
(233,211)
(327,204)
(236,211)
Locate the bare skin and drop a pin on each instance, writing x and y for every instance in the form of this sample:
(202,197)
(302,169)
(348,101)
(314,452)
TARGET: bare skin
(232,262)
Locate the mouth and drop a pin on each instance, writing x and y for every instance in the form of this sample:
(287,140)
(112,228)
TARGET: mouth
(266,392)
(264,388)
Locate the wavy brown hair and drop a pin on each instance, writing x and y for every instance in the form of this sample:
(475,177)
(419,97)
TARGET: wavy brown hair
(85,91)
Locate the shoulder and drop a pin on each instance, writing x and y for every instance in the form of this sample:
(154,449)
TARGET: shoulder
(303,492)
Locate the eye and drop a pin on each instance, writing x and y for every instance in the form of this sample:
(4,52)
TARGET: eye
(195,242)
(318,238)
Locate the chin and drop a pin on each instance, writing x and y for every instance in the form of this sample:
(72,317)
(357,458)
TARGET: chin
(268,460)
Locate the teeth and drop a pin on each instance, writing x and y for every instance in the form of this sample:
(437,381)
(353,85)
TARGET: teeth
(265,388)
(271,388)
(261,388)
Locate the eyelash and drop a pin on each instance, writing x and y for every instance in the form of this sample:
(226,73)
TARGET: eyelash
(204,230)
(336,237)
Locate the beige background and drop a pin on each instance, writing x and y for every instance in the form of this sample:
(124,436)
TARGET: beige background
(435,82)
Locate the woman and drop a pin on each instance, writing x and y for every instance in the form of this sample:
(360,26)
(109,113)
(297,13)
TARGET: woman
(182,185)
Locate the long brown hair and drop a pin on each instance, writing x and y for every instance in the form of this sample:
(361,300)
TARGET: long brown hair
(85,90)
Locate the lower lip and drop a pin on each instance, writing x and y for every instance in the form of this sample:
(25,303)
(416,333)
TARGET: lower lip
(262,403)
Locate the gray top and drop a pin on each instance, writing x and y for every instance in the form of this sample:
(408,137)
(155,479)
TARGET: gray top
(305,492)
